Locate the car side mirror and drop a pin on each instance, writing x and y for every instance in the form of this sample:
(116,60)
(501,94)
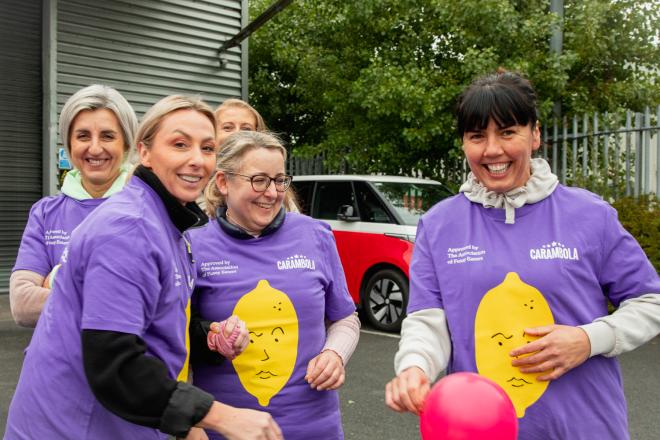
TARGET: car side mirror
(347,214)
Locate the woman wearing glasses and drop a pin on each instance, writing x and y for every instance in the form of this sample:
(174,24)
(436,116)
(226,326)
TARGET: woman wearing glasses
(235,115)
(279,273)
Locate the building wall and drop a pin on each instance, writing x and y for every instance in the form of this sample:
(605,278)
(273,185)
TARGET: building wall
(146,49)
(20,123)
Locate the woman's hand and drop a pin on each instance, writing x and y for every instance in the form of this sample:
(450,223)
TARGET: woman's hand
(196,434)
(326,371)
(234,325)
(559,349)
(408,390)
(229,337)
(48,281)
(241,424)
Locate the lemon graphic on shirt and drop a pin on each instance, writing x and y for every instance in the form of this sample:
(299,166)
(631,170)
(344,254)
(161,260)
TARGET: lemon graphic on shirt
(502,315)
(267,363)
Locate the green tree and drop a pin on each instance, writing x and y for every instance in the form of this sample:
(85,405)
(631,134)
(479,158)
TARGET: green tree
(374,82)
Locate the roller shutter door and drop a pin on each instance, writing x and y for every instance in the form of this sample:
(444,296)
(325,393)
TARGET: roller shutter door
(20,124)
(148,49)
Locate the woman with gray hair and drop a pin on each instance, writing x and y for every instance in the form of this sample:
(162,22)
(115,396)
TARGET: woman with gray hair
(97,126)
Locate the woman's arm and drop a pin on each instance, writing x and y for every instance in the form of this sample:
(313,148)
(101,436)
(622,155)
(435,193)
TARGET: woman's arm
(562,348)
(27,293)
(241,424)
(26,297)
(199,349)
(342,337)
(425,343)
(326,371)
(424,351)
(630,282)
(137,388)
(635,322)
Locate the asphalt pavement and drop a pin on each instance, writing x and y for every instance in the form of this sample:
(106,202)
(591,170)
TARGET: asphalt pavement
(364,413)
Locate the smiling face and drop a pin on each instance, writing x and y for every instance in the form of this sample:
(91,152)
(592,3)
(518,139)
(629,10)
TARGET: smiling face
(182,153)
(253,210)
(97,149)
(500,157)
(233,119)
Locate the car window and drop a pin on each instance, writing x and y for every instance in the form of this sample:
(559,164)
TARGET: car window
(411,200)
(371,208)
(304,195)
(330,196)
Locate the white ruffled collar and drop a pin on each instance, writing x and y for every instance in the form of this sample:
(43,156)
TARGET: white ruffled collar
(540,185)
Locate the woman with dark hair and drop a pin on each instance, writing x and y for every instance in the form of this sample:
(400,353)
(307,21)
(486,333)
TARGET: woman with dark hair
(109,356)
(512,277)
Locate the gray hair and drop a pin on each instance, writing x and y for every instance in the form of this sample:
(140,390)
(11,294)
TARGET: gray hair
(97,97)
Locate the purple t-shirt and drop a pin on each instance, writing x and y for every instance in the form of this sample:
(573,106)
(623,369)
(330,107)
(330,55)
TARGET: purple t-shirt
(560,262)
(127,270)
(284,286)
(50,224)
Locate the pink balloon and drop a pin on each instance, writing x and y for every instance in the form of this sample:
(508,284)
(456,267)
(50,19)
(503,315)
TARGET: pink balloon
(466,406)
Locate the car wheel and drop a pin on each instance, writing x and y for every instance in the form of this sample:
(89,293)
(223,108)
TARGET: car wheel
(385,298)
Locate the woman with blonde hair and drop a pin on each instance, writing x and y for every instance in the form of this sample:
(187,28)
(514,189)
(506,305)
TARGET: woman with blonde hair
(235,115)
(97,126)
(280,273)
(109,356)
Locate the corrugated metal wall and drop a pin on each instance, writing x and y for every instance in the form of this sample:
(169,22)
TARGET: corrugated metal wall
(148,49)
(20,124)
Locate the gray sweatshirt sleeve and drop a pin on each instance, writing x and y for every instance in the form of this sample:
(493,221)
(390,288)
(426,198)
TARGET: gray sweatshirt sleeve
(425,343)
(635,322)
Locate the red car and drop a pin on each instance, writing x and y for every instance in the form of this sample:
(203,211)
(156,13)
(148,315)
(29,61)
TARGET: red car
(374,219)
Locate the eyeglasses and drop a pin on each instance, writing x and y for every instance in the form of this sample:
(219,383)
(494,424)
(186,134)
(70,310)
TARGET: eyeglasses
(261,182)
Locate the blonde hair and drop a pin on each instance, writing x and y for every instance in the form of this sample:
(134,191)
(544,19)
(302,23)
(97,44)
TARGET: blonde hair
(233,102)
(230,159)
(150,123)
